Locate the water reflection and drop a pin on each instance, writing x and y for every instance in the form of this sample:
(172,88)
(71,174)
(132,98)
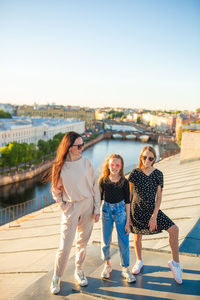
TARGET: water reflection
(19,192)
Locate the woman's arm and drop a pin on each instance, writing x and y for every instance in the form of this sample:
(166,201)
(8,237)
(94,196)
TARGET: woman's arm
(131,186)
(127,226)
(97,197)
(57,193)
(153,220)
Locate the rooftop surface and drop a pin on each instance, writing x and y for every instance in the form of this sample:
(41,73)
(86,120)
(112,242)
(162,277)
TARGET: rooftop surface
(28,249)
(9,124)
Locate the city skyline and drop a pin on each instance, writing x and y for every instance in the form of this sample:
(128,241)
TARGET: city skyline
(136,54)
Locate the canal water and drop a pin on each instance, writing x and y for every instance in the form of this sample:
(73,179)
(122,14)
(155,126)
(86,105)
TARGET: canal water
(34,188)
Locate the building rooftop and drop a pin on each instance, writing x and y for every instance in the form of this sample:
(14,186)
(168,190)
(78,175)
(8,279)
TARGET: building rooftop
(9,124)
(29,245)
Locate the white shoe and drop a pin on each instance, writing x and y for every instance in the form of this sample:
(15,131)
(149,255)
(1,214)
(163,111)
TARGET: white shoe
(106,272)
(127,275)
(80,277)
(137,267)
(55,285)
(176,271)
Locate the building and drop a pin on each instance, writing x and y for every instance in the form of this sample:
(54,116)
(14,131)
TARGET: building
(55,111)
(184,119)
(162,122)
(101,114)
(31,130)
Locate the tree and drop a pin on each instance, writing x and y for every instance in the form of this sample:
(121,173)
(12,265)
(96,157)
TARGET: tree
(12,154)
(5,161)
(32,152)
(59,136)
(44,147)
(198,110)
(5,114)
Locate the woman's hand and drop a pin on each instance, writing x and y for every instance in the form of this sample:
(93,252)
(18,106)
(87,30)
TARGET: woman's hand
(152,223)
(127,228)
(96,217)
(63,206)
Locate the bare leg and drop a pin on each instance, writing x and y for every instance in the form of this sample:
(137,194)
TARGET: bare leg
(138,246)
(173,241)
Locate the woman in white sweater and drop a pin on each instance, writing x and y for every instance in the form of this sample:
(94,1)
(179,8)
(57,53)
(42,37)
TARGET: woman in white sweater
(75,189)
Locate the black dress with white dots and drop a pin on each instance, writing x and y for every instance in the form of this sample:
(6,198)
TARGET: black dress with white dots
(143,202)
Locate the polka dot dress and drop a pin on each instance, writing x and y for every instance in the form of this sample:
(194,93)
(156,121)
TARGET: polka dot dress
(143,202)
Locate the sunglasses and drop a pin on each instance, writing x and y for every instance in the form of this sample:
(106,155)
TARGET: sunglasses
(150,158)
(79,146)
(116,165)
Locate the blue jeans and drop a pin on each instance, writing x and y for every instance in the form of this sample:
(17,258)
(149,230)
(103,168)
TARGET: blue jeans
(115,213)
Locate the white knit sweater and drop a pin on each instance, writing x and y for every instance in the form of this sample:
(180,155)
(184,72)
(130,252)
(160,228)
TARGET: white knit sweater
(77,182)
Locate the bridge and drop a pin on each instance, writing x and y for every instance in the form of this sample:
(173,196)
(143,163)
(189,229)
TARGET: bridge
(132,134)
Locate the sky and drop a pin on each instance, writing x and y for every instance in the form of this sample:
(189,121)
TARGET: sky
(97,53)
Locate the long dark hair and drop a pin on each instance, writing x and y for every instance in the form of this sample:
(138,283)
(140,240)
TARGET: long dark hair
(62,151)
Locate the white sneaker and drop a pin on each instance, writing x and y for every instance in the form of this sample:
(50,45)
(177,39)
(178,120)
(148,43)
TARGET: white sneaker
(106,271)
(127,275)
(80,277)
(55,285)
(176,271)
(137,267)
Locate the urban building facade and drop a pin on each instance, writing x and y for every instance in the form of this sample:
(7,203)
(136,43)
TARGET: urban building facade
(162,122)
(87,115)
(31,130)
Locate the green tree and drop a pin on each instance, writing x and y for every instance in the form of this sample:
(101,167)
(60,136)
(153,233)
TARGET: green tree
(5,153)
(12,154)
(4,114)
(44,147)
(59,136)
(198,110)
(32,152)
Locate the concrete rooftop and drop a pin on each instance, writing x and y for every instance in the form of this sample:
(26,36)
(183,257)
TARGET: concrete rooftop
(28,249)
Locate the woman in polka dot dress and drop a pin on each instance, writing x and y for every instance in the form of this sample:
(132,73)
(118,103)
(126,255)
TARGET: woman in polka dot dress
(146,185)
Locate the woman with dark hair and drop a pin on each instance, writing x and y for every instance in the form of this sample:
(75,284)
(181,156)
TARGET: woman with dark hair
(146,185)
(75,189)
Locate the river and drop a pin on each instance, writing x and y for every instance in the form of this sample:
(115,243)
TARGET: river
(34,188)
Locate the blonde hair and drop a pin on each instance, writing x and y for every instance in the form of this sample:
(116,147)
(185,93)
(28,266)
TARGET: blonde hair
(106,171)
(146,148)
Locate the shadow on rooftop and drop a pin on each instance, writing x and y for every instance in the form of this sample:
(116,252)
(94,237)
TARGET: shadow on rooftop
(191,243)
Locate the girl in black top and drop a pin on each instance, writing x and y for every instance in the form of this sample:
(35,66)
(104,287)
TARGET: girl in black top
(146,185)
(114,188)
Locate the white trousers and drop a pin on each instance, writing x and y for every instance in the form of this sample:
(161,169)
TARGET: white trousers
(76,219)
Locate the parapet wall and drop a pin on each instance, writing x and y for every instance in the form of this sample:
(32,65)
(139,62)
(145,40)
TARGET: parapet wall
(190,146)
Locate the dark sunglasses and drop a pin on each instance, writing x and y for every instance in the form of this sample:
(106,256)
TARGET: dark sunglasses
(79,146)
(149,158)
